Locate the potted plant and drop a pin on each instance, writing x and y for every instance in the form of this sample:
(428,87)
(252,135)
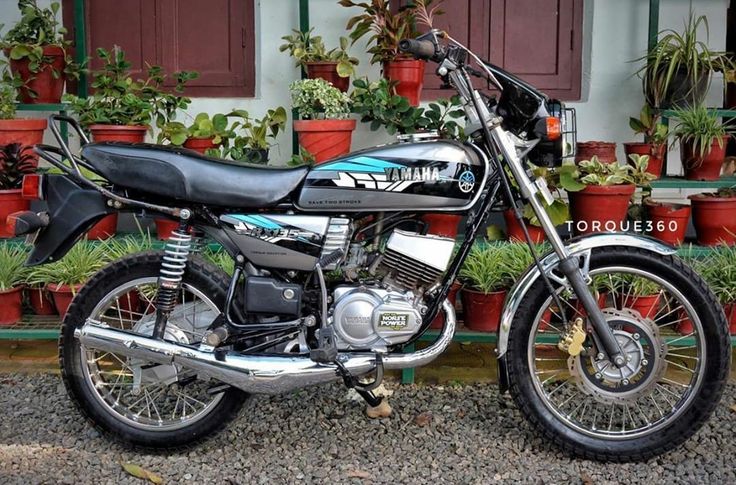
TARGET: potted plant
(677,70)
(600,192)
(12,275)
(714,217)
(485,280)
(27,132)
(655,139)
(387,27)
(121,108)
(667,221)
(605,151)
(38,54)
(636,293)
(702,139)
(252,140)
(558,210)
(719,271)
(204,135)
(324,129)
(63,278)
(334,66)
(376,105)
(15,162)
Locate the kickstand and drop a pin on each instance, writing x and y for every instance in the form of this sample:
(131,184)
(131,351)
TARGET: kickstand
(364,390)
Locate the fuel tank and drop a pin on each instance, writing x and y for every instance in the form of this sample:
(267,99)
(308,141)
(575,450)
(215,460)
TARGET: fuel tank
(438,175)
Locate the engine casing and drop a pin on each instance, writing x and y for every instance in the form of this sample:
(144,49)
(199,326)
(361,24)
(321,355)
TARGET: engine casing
(373,318)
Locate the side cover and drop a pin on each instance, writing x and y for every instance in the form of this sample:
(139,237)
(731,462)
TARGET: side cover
(426,176)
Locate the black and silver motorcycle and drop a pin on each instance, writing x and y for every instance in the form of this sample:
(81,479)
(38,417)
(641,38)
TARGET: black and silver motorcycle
(335,274)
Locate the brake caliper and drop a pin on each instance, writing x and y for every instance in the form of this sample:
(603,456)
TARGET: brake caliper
(572,340)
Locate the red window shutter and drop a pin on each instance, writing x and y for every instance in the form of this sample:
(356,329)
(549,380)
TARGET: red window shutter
(544,49)
(214,37)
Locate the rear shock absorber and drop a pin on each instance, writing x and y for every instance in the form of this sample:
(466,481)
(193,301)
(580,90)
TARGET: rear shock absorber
(173,265)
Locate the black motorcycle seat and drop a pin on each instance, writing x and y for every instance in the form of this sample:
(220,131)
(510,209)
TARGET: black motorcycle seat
(184,174)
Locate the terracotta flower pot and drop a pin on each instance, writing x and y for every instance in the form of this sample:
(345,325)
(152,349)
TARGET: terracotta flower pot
(11,305)
(164,228)
(124,133)
(41,301)
(714,219)
(200,145)
(442,224)
(104,229)
(483,311)
(325,139)
(439,320)
(11,201)
(409,74)
(668,222)
(646,305)
(328,71)
(26,131)
(515,232)
(600,208)
(605,151)
(685,326)
(129,305)
(43,86)
(656,155)
(63,296)
(730,311)
(706,167)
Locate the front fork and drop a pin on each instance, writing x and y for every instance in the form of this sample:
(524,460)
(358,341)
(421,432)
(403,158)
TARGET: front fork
(569,265)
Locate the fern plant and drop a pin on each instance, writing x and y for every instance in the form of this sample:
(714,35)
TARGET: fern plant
(80,263)
(12,269)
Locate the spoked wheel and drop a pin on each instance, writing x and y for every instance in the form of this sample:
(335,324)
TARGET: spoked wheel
(136,401)
(674,336)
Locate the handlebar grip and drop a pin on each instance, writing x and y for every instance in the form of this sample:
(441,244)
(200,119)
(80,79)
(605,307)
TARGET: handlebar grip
(420,49)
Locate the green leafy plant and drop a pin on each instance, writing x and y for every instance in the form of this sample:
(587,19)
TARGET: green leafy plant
(306,48)
(38,27)
(216,127)
(317,99)
(131,244)
(253,134)
(575,178)
(118,99)
(559,210)
(13,272)
(628,285)
(387,26)
(221,259)
(677,54)
(302,158)
(74,269)
(699,127)
(486,270)
(7,101)
(442,116)
(16,161)
(719,271)
(518,257)
(648,125)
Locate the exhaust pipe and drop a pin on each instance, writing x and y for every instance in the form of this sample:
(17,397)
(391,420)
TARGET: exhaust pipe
(253,373)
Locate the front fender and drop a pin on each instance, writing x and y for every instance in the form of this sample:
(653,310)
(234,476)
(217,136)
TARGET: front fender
(576,247)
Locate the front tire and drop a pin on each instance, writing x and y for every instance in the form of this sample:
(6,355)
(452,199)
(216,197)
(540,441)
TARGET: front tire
(669,388)
(136,403)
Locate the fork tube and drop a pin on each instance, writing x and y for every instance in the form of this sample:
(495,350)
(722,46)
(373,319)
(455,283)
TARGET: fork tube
(569,265)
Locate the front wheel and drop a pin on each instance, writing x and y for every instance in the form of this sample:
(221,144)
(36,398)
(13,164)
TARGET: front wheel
(137,402)
(675,338)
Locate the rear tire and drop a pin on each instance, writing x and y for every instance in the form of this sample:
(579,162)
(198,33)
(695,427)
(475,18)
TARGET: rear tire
(544,414)
(201,276)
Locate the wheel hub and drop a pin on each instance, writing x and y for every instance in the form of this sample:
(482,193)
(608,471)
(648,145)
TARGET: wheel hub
(639,339)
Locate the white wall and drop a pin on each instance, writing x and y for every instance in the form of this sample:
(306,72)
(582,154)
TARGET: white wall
(615,34)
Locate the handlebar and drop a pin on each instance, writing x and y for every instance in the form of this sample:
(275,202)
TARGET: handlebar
(420,49)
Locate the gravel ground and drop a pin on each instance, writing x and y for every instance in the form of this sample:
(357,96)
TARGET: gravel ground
(319,435)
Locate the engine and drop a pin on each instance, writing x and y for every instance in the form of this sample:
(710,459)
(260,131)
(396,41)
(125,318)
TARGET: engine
(390,313)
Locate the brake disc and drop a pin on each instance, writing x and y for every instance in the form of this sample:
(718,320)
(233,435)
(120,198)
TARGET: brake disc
(645,355)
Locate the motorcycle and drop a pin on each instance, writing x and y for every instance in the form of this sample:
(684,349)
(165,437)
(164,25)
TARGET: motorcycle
(335,275)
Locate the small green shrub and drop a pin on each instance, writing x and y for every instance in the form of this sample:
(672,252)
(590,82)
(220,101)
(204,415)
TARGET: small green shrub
(317,99)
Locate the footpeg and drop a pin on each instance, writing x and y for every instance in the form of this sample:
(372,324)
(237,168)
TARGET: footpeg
(326,352)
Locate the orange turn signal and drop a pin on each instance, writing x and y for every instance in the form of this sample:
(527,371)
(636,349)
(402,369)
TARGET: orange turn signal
(554,128)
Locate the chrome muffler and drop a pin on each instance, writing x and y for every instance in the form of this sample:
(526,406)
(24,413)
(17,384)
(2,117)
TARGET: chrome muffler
(256,374)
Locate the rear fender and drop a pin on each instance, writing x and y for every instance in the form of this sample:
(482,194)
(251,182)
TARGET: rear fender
(578,247)
(72,210)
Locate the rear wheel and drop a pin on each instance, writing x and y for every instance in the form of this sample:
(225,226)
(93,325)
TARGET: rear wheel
(675,338)
(135,401)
